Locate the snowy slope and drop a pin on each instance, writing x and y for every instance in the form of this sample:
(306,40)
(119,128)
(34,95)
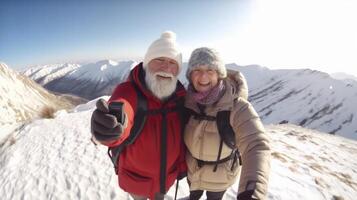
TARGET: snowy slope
(21,98)
(88,81)
(304,97)
(55,159)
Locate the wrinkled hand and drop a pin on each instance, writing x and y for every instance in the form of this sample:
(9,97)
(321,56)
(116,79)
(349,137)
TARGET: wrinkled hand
(104,126)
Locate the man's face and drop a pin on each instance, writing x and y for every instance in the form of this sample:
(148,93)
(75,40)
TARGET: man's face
(163,64)
(161,76)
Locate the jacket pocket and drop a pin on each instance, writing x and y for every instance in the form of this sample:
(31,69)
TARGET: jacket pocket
(135,183)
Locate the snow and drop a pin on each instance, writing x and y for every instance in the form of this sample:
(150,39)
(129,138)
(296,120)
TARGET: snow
(55,159)
(21,98)
(303,97)
(88,81)
(103,70)
(47,73)
(312,165)
(343,76)
(7,129)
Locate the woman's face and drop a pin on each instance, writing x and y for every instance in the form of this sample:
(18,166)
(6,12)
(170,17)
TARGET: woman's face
(204,78)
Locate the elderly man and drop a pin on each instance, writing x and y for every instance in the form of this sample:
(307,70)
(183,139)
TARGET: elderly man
(149,135)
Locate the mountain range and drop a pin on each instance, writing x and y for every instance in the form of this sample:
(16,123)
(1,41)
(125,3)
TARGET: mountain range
(87,81)
(304,97)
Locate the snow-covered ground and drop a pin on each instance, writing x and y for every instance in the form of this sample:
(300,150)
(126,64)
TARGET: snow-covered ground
(55,159)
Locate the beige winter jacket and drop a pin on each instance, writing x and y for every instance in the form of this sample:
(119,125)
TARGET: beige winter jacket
(202,140)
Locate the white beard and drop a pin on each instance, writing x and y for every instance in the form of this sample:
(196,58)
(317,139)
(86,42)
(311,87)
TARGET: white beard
(162,89)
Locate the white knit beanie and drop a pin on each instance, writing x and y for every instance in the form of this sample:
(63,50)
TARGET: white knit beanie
(206,56)
(165,46)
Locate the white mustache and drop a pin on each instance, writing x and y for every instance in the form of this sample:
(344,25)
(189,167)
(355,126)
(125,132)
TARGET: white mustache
(164,74)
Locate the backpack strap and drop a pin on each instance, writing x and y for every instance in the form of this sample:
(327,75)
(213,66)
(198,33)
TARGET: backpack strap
(113,153)
(139,122)
(140,115)
(234,155)
(218,156)
(226,133)
(225,128)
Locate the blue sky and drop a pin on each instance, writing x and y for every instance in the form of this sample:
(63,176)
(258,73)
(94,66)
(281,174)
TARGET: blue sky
(318,34)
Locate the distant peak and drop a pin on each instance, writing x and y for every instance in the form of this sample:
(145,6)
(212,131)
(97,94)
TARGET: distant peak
(106,62)
(3,66)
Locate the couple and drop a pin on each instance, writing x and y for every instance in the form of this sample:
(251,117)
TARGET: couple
(182,133)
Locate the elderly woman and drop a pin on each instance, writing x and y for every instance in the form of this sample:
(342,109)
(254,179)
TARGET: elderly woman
(224,134)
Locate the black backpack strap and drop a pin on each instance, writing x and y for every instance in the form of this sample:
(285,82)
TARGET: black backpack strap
(219,155)
(140,116)
(227,133)
(225,128)
(139,122)
(227,136)
(236,158)
(234,155)
(113,153)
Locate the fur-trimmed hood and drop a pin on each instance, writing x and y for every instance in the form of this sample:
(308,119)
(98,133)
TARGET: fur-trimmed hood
(238,83)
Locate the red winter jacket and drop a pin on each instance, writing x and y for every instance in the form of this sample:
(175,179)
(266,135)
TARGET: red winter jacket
(140,162)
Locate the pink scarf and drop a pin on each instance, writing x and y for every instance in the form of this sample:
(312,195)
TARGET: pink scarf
(208,97)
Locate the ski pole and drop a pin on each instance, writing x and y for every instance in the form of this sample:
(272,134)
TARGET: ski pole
(177,183)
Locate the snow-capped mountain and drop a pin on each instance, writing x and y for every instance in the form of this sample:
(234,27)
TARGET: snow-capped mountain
(88,81)
(304,97)
(55,159)
(345,77)
(21,98)
(47,73)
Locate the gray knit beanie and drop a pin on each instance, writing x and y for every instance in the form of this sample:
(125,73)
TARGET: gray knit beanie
(206,56)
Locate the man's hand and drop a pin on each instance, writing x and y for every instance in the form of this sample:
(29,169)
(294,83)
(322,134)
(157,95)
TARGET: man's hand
(104,126)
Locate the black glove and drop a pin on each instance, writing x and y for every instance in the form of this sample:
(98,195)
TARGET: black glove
(104,126)
(246,195)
